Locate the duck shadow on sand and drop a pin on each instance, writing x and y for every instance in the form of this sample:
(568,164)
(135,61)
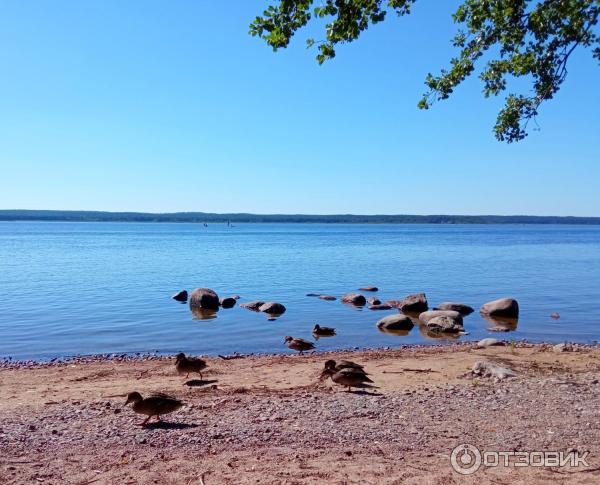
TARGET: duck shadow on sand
(200,382)
(169,425)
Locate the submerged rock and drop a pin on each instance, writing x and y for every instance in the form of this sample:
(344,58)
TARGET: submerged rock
(395,322)
(252,305)
(228,302)
(503,307)
(457,307)
(374,301)
(272,308)
(369,288)
(380,307)
(354,299)
(204,298)
(180,296)
(327,297)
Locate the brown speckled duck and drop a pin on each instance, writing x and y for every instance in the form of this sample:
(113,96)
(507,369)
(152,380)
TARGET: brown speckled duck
(298,344)
(186,365)
(323,331)
(344,364)
(348,377)
(154,405)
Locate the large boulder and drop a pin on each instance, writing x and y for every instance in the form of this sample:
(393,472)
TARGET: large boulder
(444,324)
(411,304)
(228,302)
(180,296)
(369,288)
(395,322)
(252,305)
(354,299)
(504,307)
(204,298)
(426,316)
(457,307)
(272,308)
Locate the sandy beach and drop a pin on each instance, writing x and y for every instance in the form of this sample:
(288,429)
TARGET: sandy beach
(268,419)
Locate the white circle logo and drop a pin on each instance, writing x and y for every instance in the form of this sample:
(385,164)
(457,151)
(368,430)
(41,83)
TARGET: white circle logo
(465,459)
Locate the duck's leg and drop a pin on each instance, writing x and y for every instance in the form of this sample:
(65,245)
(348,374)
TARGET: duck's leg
(143,423)
(201,378)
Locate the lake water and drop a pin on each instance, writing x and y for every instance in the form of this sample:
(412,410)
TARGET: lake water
(84,288)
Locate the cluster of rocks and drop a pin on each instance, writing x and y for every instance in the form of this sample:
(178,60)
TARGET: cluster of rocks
(445,319)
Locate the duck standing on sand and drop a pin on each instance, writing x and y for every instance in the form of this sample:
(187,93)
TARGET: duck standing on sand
(298,344)
(344,364)
(186,365)
(154,405)
(319,331)
(347,376)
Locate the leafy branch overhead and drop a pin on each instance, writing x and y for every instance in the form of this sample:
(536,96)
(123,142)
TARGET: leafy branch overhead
(523,38)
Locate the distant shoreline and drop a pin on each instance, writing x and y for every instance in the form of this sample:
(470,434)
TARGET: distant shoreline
(205,217)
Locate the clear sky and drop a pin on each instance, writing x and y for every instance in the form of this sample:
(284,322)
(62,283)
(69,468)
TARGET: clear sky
(164,106)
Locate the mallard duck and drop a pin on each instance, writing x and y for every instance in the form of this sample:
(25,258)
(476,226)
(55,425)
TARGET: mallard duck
(298,344)
(348,377)
(343,364)
(155,405)
(323,331)
(185,365)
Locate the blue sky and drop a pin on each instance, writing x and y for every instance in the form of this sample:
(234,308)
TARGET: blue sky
(171,106)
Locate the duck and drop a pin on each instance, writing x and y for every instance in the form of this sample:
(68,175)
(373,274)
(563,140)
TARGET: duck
(323,331)
(154,405)
(344,364)
(348,377)
(186,365)
(298,344)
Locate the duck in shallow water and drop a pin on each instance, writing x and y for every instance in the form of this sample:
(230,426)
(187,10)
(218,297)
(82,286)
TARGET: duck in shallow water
(154,405)
(319,331)
(298,344)
(186,365)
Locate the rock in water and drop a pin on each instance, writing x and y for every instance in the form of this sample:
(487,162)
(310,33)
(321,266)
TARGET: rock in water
(414,303)
(380,307)
(272,308)
(444,324)
(327,297)
(228,302)
(396,322)
(369,288)
(180,296)
(374,301)
(426,316)
(504,307)
(354,299)
(204,298)
(457,307)
(555,316)
(252,305)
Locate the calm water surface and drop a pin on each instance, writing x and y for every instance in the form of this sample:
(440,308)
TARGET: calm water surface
(81,288)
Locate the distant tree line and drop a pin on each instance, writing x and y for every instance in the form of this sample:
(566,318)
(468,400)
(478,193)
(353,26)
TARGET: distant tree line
(205,217)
